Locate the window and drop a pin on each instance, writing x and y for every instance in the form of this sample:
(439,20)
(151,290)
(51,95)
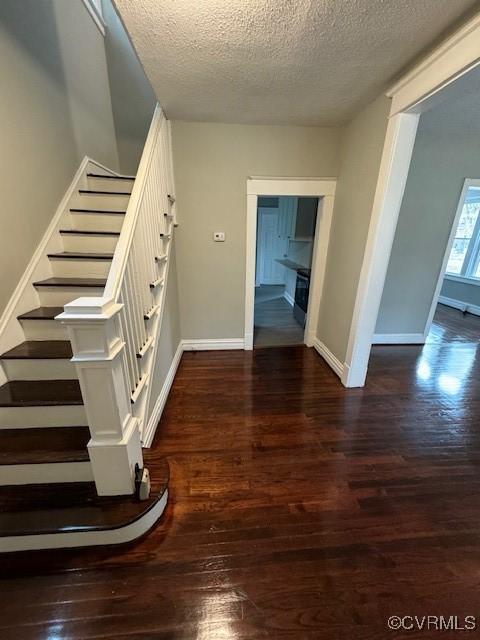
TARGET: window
(464,259)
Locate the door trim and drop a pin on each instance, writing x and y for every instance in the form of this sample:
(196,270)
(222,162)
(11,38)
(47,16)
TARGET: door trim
(324,190)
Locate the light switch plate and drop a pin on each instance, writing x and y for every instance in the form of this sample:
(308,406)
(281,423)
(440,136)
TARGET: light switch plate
(219,236)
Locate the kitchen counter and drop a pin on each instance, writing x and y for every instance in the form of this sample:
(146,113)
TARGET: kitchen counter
(290,264)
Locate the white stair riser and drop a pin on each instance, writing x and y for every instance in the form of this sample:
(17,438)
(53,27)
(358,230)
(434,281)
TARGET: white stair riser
(96,221)
(110,184)
(61,416)
(59,296)
(80,268)
(51,369)
(46,472)
(89,244)
(102,202)
(44,330)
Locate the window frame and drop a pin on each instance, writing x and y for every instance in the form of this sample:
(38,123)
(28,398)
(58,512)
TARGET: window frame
(472,256)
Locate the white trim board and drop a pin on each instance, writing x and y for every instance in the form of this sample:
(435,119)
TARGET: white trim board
(466,307)
(324,190)
(450,60)
(151,427)
(215,344)
(398,338)
(416,92)
(392,178)
(332,361)
(462,279)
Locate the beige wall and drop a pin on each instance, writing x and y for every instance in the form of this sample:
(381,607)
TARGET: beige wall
(212,163)
(55,108)
(169,336)
(362,149)
(82,50)
(133,99)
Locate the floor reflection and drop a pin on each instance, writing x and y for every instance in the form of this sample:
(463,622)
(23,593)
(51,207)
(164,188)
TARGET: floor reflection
(450,353)
(448,367)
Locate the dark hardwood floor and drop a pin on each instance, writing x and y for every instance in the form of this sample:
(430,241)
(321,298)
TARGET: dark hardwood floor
(298,509)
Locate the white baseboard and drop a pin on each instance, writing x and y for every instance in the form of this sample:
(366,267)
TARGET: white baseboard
(213,345)
(398,338)
(149,432)
(288,298)
(332,360)
(459,304)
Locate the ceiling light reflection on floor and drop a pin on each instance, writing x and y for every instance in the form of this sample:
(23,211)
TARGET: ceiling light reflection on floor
(449,384)
(424,370)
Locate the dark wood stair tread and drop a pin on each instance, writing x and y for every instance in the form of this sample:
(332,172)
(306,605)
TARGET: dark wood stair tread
(71,282)
(99,175)
(41,313)
(40,393)
(76,255)
(44,445)
(72,507)
(102,211)
(88,232)
(40,350)
(105,193)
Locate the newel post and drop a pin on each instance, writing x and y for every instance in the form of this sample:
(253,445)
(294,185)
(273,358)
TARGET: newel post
(99,355)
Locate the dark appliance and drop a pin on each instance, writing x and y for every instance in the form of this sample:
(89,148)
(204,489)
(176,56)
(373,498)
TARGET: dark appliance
(302,289)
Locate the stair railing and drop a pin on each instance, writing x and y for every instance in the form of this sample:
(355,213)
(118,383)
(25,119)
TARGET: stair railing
(114,336)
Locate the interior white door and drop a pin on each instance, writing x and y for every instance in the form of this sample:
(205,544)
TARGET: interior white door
(269,247)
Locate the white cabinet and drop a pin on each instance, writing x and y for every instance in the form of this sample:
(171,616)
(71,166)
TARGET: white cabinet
(287,214)
(305,219)
(296,218)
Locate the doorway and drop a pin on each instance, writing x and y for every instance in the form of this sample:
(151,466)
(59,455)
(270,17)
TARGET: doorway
(438,75)
(270,285)
(285,236)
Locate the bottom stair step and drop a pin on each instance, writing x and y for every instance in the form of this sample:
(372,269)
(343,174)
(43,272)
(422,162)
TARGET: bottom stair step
(47,516)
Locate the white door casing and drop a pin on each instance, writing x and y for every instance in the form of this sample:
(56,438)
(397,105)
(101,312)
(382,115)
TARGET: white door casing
(322,188)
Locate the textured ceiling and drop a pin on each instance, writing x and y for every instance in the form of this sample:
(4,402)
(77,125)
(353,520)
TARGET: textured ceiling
(310,62)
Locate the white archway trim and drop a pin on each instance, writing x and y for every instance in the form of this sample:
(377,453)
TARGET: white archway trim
(455,56)
(416,92)
(394,165)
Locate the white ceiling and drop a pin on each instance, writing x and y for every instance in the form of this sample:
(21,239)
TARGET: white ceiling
(308,62)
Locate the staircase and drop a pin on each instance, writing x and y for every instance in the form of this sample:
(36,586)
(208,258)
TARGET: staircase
(64,481)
